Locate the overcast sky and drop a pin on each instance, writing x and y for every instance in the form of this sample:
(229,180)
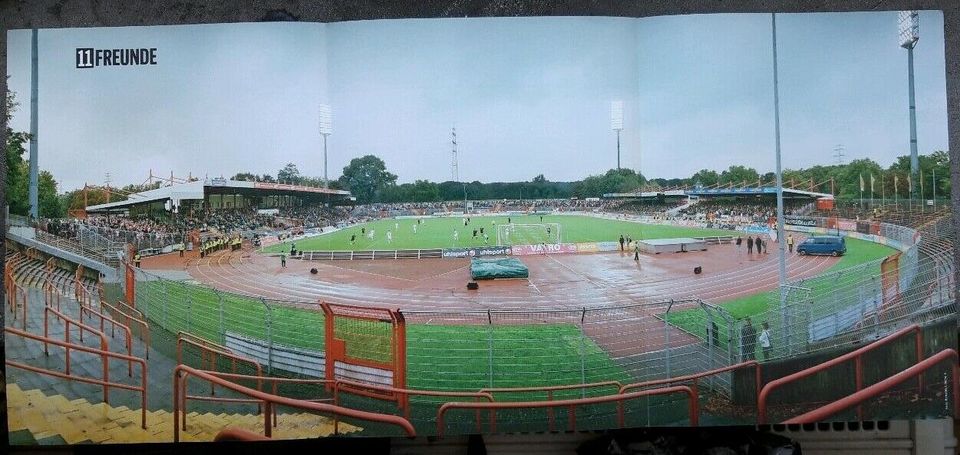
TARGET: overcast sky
(527,95)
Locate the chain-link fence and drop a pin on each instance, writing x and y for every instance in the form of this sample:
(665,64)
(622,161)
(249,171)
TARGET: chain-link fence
(860,302)
(112,238)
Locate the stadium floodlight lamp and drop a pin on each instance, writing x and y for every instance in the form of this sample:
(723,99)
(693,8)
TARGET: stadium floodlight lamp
(616,122)
(909,29)
(326,120)
(616,115)
(326,129)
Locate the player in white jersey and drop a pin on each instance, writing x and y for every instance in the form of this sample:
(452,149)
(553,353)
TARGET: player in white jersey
(414,228)
(456,235)
(389,237)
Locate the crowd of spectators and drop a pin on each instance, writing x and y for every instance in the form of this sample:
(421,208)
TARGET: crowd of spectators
(737,211)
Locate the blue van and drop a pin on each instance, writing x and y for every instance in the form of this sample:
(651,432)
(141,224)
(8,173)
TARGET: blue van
(832,245)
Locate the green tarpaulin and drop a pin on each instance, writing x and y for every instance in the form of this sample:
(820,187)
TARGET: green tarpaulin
(488,269)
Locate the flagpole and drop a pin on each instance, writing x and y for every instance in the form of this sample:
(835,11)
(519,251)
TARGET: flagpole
(883,192)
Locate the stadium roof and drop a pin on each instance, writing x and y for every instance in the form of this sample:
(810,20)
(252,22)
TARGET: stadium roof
(720,192)
(196,190)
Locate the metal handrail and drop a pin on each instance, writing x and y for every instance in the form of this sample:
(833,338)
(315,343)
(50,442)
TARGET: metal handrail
(695,377)
(571,405)
(105,382)
(822,413)
(145,327)
(858,373)
(181,372)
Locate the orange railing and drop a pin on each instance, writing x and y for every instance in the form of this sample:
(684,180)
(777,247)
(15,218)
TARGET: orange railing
(369,390)
(856,356)
(572,405)
(66,339)
(103,353)
(269,401)
(18,299)
(824,412)
(210,353)
(51,295)
(113,326)
(273,380)
(694,378)
(214,352)
(144,327)
(549,390)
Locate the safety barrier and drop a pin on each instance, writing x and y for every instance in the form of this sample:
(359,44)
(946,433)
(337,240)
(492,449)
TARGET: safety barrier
(824,412)
(211,352)
(856,356)
(571,405)
(363,389)
(370,254)
(103,353)
(144,327)
(549,391)
(695,378)
(181,372)
(113,325)
(66,339)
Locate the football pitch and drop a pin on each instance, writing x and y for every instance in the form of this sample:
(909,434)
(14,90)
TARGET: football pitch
(439,233)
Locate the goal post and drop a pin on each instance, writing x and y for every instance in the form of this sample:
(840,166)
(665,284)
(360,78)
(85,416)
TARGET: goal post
(529,234)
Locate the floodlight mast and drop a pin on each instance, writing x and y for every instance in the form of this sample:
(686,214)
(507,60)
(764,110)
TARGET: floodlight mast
(909,35)
(326,129)
(781,243)
(616,122)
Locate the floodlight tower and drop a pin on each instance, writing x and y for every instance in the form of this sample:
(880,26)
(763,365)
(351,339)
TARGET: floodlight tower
(454,170)
(781,240)
(616,122)
(326,129)
(33,192)
(909,35)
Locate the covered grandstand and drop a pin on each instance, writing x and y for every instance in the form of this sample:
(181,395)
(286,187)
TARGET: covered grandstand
(213,194)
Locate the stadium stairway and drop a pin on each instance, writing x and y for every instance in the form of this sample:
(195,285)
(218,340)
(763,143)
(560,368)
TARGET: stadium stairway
(37,418)
(45,409)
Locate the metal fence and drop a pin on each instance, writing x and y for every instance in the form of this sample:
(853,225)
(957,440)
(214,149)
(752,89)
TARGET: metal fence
(109,238)
(859,302)
(473,350)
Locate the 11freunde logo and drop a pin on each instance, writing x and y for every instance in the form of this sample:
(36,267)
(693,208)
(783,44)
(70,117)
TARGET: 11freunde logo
(88,57)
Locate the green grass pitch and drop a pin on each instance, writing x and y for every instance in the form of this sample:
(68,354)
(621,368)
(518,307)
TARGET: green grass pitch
(438,233)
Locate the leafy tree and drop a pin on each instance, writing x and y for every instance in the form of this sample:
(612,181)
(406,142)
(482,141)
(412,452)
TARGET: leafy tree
(936,164)
(16,175)
(539,179)
(848,186)
(244,177)
(705,177)
(267,178)
(366,177)
(737,175)
(50,206)
(289,174)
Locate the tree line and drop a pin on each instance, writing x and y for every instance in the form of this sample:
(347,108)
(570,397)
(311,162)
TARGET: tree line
(368,179)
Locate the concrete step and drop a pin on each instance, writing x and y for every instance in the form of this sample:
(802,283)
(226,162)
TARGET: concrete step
(55,419)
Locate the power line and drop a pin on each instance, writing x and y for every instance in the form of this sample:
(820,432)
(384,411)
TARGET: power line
(838,153)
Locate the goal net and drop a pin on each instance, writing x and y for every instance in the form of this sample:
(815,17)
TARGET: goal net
(528,234)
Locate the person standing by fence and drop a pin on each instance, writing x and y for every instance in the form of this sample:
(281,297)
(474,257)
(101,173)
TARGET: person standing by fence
(283,260)
(748,339)
(790,243)
(765,341)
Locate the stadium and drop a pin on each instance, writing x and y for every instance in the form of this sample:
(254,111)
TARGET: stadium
(448,301)
(580,332)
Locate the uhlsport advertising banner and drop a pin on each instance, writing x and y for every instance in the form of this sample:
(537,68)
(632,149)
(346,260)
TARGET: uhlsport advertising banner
(476,252)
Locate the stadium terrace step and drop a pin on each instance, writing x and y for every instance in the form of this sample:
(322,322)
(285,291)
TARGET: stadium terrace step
(49,418)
